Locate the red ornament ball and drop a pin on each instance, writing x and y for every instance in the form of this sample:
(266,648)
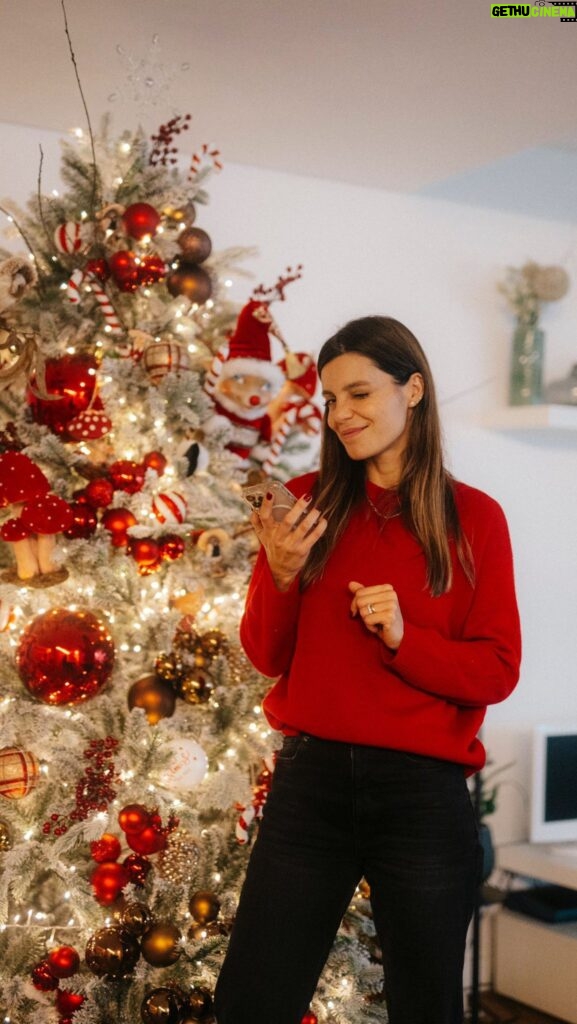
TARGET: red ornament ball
(191,281)
(137,867)
(68,1002)
(43,978)
(134,818)
(195,244)
(99,492)
(140,219)
(108,881)
(83,523)
(107,848)
(98,268)
(63,961)
(126,475)
(146,553)
(156,461)
(172,547)
(151,269)
(117,521)
(65,657)
(72,379)
(125,270)
(150,840)
(310,1018)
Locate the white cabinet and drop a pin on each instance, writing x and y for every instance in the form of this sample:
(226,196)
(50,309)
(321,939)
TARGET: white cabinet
(535,962)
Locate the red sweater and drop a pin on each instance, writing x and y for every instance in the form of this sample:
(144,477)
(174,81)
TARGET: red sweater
(460,651)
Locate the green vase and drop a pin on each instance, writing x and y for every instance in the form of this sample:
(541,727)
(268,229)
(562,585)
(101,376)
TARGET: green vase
(526,378)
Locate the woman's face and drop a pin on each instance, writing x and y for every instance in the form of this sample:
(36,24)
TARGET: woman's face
(368,411)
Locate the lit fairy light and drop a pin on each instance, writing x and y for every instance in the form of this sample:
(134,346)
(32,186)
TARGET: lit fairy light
(78,132)
(55,193)
(125,147)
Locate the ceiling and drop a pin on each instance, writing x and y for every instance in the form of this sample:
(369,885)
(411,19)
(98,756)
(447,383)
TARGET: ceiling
(438,99)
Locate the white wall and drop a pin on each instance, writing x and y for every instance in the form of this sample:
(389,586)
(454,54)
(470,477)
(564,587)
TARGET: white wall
(435,266)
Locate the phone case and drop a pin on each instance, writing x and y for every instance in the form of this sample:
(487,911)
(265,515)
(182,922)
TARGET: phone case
(283,500)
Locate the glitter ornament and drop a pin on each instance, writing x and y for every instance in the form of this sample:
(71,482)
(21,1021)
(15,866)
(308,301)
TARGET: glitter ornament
(107,848)
(112,952)
(63,961)
(178,861)
(191,281)
(68,1002)
(162,357)
(19,772)
(172,547)
(84,521)
(162,1004)
(195,244)
(43,978)
(140,220)
(155,696)
(65,657)
(98,268)
(160,944)
(99,492)
(204,906)
(169,507)
(126,475)
(124,270)
(135,918)
(117,521)
(151,269)
(108,881)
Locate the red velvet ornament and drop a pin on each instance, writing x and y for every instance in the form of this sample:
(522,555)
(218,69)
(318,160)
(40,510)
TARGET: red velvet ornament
(134,818)
(117,521)
(65,657)
(63,961)
(99,492)
(151,269)
(140,219)
(83,523)
(146,553)
(155,461)
(191,281)
(124,270)
(98,268)
(73,379)
(108,881)
(172,547)
(107,848)
(137,867)
(43,978)
(150,840)
(126,475)
(68,1002)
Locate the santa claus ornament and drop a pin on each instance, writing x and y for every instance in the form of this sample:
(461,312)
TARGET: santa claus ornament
(243,379)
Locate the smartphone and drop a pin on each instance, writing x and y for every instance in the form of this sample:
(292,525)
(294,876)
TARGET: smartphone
(283,500)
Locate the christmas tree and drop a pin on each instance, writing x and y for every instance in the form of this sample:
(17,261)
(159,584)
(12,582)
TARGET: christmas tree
(135,760)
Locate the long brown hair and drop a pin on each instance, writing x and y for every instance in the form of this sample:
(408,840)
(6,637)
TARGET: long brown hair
(426,489)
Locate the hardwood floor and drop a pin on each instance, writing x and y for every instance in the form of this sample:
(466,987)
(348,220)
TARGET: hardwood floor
(495,1009)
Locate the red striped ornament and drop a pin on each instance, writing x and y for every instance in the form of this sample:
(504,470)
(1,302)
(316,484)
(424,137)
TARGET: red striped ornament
(19,772)
(70,237)
(169,507)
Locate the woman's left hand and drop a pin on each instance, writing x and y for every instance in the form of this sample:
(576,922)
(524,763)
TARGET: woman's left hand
(380,611)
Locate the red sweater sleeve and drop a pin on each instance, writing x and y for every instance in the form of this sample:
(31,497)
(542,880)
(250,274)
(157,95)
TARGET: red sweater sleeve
(269,623)
(481,666)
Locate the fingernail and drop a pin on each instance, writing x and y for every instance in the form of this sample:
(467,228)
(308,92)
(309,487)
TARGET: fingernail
(268,495)
(308,497)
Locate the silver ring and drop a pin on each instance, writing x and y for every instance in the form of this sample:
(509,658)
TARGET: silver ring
(371,609)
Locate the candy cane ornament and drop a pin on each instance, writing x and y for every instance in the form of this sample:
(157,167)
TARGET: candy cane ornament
(74,293)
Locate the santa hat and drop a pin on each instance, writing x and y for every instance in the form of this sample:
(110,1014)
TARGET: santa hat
(248,350)
(299,368)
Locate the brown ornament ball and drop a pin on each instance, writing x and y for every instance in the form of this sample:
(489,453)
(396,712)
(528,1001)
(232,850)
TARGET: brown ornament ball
(195,244)
(160,944)
(136,918)
(198,1005)
(204,906)
(112,952)
(155,696)
(195,687)
(163,1004)
(191,281)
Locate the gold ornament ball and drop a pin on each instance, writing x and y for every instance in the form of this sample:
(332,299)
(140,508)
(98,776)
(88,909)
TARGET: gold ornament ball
(112,951)
(178,861)
(160,944)
(204,906)
(195,688)
(191,281)
(155,696)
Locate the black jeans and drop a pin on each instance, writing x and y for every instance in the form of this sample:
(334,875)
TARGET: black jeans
(337,813)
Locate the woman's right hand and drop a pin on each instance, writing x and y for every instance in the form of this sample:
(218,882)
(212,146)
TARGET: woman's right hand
(287,543)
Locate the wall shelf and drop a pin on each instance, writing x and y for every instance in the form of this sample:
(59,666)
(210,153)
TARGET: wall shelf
(542,418)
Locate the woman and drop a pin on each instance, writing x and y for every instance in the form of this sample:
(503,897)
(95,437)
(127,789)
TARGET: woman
(385,605)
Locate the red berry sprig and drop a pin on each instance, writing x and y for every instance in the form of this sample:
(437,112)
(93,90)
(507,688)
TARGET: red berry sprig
(163,150)
(95,789)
